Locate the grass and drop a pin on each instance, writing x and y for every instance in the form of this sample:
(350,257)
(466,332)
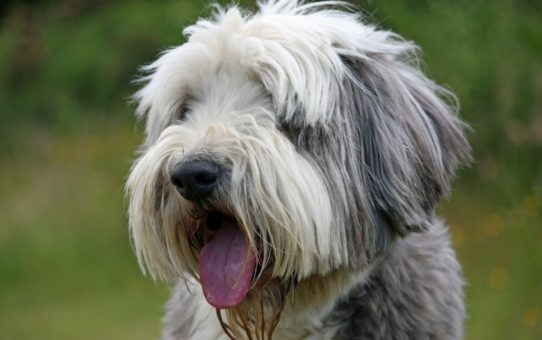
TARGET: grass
(67,139)
(66,265)
(502,263)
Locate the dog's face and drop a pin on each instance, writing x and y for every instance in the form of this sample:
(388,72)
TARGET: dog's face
(294,142)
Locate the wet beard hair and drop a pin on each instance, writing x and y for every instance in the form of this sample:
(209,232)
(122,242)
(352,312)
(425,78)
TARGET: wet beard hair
(259,313)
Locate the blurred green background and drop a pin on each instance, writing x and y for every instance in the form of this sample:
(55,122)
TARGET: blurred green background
(67,139)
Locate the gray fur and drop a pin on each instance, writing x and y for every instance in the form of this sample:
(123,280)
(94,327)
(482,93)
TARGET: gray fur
(408,143)
(415,293)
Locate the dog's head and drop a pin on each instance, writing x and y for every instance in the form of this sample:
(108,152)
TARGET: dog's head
(293,142)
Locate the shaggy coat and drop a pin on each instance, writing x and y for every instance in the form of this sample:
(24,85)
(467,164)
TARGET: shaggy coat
(333,150)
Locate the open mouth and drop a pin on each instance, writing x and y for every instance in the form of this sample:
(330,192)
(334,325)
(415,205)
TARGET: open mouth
(227,262)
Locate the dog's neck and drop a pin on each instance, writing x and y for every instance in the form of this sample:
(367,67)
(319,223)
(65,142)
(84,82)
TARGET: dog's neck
(312,301)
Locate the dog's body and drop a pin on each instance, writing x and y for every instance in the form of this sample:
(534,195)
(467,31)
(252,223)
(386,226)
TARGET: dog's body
(293,162)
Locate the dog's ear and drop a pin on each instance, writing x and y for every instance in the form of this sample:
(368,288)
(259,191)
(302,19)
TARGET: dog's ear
(410,136)
(366,84)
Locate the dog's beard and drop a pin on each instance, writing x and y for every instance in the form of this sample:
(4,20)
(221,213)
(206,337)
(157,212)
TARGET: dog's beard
(258,312)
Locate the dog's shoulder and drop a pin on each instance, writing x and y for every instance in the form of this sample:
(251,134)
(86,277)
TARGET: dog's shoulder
(415,293)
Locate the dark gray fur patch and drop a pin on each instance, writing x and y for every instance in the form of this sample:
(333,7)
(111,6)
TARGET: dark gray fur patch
(414,293)
(410,139)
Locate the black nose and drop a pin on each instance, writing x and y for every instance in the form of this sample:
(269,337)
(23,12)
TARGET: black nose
(197,179)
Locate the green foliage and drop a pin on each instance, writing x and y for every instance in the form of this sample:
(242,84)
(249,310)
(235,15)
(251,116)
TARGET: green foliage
(60,65)
(67,139)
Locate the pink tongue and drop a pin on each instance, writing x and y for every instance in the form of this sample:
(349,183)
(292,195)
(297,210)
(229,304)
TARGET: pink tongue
(226,266)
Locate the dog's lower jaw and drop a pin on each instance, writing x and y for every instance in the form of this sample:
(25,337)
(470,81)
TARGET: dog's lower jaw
(414,292)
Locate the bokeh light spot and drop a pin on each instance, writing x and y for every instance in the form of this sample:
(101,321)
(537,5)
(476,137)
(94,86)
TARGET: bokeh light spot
(498,279)
(532,317)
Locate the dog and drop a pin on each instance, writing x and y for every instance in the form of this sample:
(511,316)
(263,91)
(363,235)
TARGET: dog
(287,185)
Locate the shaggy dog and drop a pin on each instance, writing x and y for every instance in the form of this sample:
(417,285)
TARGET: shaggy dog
(288,182)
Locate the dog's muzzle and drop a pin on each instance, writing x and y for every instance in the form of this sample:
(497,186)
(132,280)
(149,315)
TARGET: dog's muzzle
(226,260)
(196,179)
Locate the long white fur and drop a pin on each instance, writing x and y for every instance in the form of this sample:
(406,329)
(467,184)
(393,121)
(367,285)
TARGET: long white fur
(292,208)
